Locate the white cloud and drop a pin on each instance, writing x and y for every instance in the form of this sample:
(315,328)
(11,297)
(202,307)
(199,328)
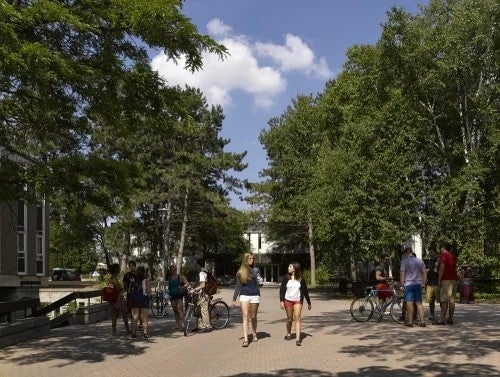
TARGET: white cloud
(241,70)
(218,28)
(295,55)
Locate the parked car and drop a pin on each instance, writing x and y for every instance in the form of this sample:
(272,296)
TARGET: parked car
(65,274)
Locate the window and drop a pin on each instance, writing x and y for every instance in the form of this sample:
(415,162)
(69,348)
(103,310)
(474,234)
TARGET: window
(40,238)
(21,237)
(260,241)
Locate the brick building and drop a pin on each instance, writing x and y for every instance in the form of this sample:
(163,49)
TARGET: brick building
(23,241)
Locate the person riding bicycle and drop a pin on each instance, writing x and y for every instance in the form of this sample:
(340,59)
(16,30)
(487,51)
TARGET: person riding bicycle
(382,278)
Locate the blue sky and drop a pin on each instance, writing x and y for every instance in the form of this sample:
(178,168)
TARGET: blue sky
(278,50)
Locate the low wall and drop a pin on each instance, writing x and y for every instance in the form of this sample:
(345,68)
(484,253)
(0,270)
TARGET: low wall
(22,330)
(86,315)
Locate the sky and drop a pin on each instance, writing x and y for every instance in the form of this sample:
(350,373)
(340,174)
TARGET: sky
(278,49)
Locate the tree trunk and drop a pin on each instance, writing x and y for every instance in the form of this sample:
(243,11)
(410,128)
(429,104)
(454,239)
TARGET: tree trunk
(166,236)
(183,233)
(312,252)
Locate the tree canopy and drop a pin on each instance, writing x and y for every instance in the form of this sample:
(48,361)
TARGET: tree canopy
(404,141)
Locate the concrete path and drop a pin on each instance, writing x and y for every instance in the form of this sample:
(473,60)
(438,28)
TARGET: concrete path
(334,345)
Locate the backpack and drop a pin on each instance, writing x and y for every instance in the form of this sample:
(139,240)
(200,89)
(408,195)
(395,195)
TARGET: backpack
(175,286)
(137,296)
(210,284)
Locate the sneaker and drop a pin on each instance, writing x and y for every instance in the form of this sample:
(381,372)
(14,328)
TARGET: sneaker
(288,337)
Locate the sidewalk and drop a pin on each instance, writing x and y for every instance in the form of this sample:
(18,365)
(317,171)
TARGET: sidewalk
(333,345)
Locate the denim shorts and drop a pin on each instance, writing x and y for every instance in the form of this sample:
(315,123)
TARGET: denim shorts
(413,293)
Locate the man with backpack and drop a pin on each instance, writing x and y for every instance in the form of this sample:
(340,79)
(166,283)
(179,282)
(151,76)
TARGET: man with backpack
(203,299)
(381,279)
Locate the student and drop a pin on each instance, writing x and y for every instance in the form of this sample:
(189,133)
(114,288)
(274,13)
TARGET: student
(413,274)
(248,281)
(176,287)
(127,279)
(118,307)
(382,279)
(292,292)
(432,286)
(447,280)
(203,317)
(139,301)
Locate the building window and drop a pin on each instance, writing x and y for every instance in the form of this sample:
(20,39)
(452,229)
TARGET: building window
(21,236)
(259,242)
(40,238)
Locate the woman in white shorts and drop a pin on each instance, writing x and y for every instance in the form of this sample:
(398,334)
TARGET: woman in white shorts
(248,281)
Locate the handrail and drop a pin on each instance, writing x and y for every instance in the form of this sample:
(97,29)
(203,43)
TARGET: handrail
(8,307)
(65,300)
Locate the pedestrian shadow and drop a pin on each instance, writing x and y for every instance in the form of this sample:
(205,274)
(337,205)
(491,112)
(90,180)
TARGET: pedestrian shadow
(291,372)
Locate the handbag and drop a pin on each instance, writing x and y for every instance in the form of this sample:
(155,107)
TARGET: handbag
(110,293)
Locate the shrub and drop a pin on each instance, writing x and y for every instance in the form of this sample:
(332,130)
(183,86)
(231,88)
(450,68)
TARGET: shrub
(323,276)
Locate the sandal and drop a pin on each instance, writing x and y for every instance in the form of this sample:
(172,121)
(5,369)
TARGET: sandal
(254,338)
(408,324)
(423,324)
(245,343)
(288,337)
(298,342)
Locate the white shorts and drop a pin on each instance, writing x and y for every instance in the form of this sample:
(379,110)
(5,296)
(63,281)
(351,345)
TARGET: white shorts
(251,299)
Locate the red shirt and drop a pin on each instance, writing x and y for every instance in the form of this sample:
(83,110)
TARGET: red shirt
(450,265)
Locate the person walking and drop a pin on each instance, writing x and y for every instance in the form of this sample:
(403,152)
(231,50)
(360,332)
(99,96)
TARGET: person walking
(412,275)
(248,282)
(293,290)
(117,307)
(203,298)
(432,285)
(139,293)
(177,285)
(447,279)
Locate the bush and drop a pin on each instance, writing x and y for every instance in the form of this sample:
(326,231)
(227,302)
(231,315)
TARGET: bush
(323,276)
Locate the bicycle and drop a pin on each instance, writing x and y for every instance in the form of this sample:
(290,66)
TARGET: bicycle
(160,301)
(363,308)
(218,312)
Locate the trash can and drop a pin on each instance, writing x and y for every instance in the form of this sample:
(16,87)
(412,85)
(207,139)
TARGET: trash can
(466,291)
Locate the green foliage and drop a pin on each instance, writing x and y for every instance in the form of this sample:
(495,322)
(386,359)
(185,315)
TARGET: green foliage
(404,141)
(108,139)
(323,276)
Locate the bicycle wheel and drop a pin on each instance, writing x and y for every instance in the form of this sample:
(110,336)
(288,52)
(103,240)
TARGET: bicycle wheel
(157,307)
(361,309)
(397,311)
(187,318)
(219,314)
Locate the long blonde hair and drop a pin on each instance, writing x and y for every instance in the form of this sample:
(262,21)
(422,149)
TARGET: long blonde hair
(244,271)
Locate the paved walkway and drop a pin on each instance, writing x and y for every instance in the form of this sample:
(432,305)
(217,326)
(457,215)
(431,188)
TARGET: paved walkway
(334,345)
